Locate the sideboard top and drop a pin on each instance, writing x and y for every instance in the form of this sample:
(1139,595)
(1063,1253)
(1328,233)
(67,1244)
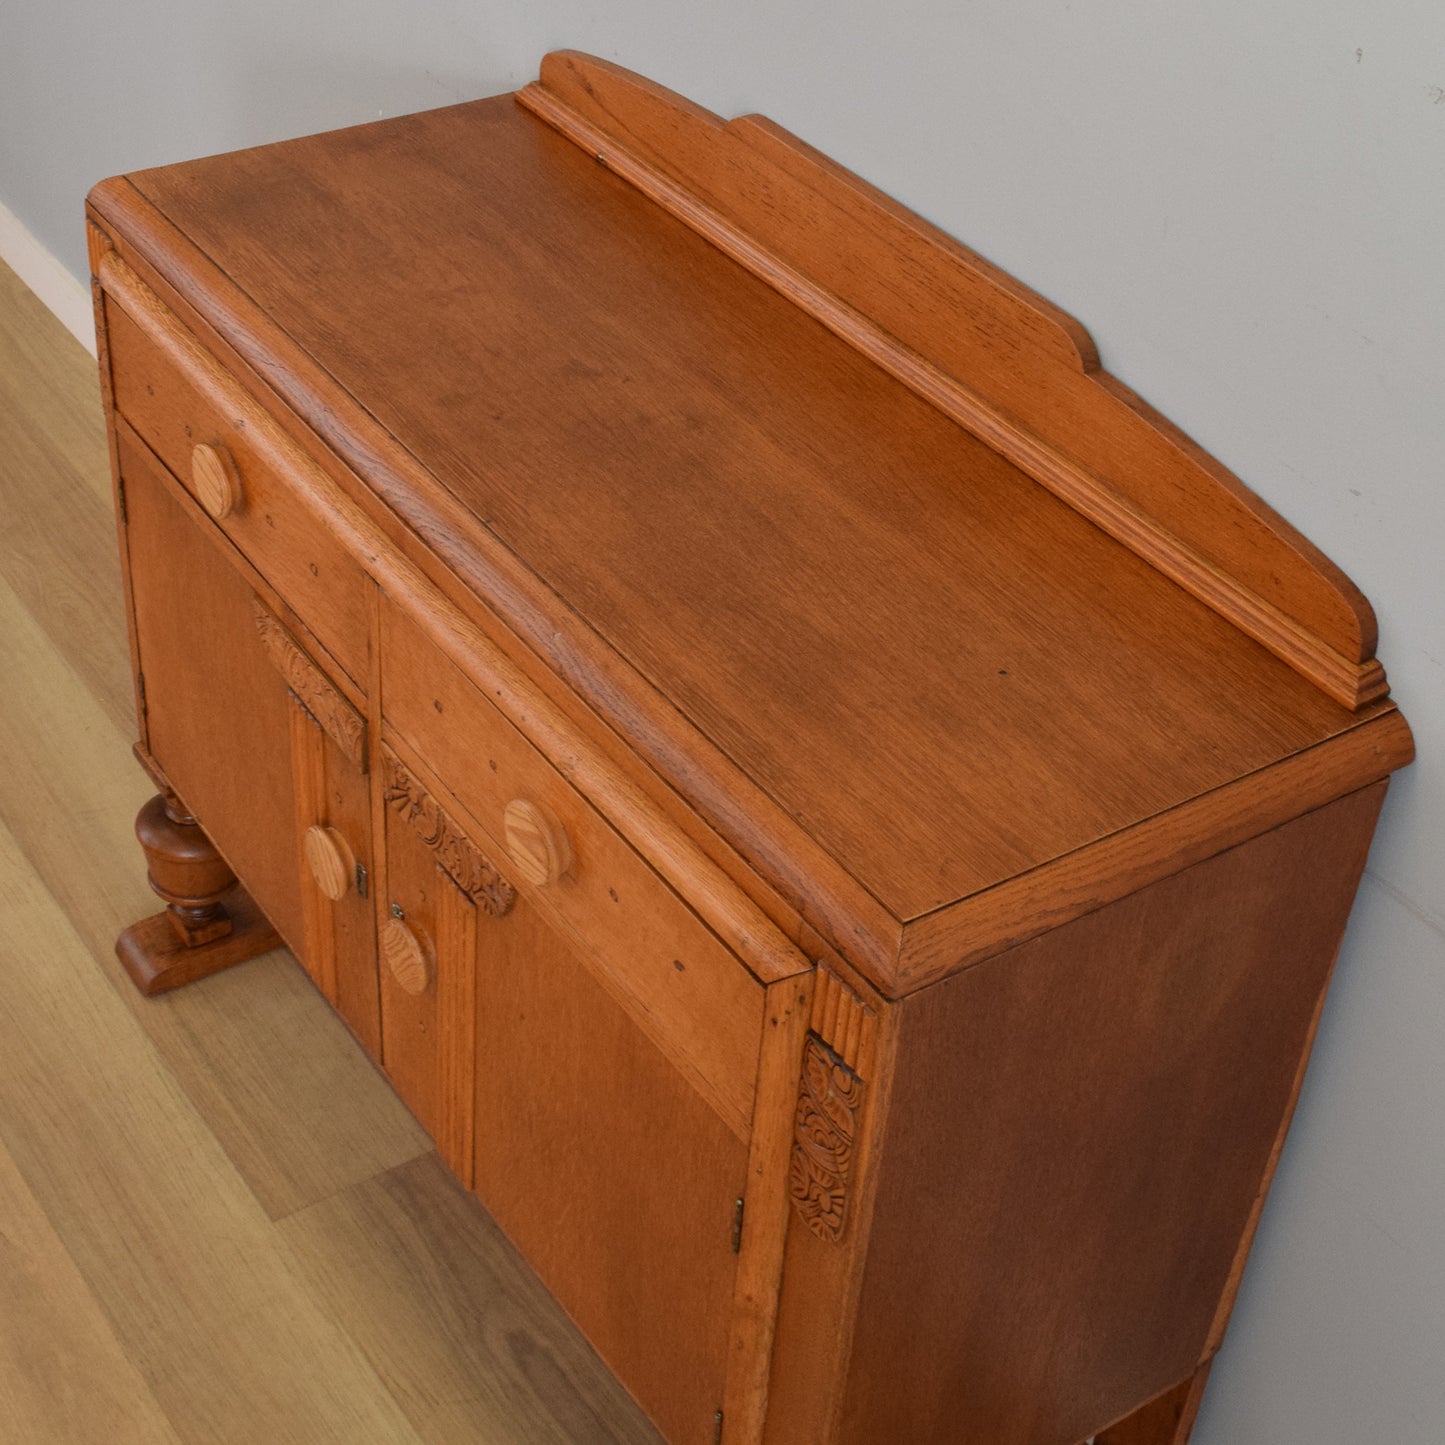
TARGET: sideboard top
(919,657)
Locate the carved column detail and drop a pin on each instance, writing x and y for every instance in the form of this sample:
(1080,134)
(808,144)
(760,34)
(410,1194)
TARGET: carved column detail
(837,1057)
(313,690)
(824,1129)
(457,856)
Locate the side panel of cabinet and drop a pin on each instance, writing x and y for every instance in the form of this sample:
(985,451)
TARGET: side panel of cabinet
(217,712)
(608,1171)
(1080,1134)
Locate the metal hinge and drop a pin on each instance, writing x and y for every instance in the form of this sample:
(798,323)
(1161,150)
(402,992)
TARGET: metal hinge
(361,880)
(738,1225)
(140,692)
(717,1424)
(120,500)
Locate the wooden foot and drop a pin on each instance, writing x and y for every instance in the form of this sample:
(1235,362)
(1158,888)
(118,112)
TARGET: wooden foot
(1168,1419)
(209,922)
(157,960)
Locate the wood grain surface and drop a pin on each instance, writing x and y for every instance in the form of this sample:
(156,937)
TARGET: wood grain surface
(724,901)
(160,1159)
(1082,1129)
(855,601)
(63,1375)
(980,346)
(442,1305)
(731,817)
(192,1280)
(50,429)
(562,661)
(608,1170)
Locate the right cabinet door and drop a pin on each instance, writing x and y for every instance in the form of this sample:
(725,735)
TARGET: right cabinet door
(606,1166)
(608,1041)
(614,1177)
(600,1159)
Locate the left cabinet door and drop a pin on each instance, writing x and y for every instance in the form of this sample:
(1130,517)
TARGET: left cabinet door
(215,711)
(226,716)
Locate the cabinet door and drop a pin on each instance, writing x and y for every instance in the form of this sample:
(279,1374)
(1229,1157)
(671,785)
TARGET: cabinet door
(328,746)
(216,713)
(427,926)
(260,744)
(604,1163)
(609,1171)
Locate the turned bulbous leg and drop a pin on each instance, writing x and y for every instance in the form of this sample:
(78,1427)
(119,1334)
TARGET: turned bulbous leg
(209,922)
(185,870)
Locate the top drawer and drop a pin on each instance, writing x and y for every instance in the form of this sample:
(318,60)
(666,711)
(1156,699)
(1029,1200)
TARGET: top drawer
(270,519)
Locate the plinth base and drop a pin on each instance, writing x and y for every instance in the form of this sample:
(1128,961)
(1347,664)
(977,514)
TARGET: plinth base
(153,955)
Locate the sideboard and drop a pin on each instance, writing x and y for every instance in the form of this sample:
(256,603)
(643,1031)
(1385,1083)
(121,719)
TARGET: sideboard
(835,816)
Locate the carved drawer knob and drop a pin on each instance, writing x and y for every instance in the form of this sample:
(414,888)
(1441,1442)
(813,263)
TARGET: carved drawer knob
(536,842)
(331,861)
(406,954)
(215,479)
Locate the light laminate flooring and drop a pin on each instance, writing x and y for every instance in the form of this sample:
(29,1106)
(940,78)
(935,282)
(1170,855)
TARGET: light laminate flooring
(217,1223)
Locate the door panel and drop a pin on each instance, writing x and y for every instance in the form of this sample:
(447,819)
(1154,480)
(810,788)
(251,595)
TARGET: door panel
(217,714)
(332,798)
(607,1169)
(427,928)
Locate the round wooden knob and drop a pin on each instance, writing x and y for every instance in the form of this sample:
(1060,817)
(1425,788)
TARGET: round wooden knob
(406,955)
(215,479)
(331,861)
(536,842)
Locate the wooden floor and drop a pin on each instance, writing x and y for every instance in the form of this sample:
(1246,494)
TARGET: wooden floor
(216,1221)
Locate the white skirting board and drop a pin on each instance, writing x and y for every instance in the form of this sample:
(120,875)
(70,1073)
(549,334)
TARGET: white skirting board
(38,268)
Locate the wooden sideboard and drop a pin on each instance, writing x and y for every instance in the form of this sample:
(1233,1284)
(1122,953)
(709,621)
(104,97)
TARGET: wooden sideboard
(835,815)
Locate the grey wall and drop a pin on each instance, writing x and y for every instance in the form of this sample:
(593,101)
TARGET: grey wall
(1245,201)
